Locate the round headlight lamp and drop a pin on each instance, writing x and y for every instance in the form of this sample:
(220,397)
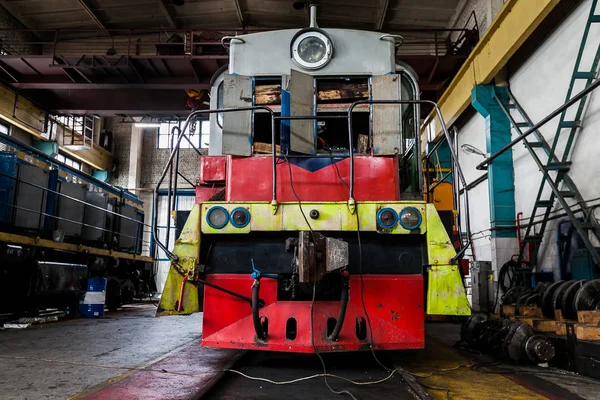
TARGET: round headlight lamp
(240,217)
(217,217)
(387,218)
(410,218)
(311,49)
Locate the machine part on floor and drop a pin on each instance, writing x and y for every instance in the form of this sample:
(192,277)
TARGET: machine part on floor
(567,304)
(588,297)
(547,303)
(557,297)
(481,272)
(507,339)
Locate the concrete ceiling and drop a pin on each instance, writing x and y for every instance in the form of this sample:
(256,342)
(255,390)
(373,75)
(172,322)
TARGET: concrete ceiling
(385,15)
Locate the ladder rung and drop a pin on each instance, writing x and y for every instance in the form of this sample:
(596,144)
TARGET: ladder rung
(559,166)
(567,193)
(544,204)
(570,124)
(583,75)
(511,106)
(533,239)
(522,125)
(595,18)
(535,144)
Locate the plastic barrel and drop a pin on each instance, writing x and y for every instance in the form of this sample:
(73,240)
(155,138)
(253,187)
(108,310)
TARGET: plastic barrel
(95,297)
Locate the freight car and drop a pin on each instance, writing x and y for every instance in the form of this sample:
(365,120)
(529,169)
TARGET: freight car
(58,227)
(324,243)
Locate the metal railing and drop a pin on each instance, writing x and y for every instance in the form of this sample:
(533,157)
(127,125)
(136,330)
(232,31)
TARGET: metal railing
(181,135)
(117,217)
(201,43)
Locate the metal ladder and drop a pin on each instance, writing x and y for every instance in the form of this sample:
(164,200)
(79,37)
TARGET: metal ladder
(559,164)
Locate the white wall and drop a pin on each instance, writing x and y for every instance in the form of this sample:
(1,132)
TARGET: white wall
(540,85)
(473,133)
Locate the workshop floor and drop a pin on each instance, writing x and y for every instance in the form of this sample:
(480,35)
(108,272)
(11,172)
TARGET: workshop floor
(130,354)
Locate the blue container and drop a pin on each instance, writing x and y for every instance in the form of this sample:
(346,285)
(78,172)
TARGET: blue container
(93,303)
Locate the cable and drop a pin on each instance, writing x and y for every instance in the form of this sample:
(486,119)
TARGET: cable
(312,304)
(306,378)
(362,299)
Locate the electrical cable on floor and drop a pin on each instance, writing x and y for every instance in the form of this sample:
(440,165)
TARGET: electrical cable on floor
(362,299)
(312,305)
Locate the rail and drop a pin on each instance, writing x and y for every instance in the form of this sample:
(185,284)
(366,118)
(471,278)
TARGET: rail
(181,135)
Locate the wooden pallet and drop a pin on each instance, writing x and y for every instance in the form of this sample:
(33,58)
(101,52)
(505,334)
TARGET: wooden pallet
(530,311)
(509,310)
(544,325)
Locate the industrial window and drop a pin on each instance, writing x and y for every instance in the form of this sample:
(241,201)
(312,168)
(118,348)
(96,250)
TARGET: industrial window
(199,139)
(70,162)
(4,129)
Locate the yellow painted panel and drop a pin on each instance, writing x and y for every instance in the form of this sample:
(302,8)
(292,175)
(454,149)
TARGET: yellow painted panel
(332,217)
(514,23)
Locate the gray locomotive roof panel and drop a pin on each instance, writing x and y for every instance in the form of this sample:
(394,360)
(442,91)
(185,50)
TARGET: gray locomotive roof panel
(355,53)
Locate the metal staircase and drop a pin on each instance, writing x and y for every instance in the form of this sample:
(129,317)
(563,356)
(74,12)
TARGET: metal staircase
(556,168)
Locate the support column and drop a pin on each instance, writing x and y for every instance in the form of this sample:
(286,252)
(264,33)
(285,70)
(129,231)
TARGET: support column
(501,181)
(135,159)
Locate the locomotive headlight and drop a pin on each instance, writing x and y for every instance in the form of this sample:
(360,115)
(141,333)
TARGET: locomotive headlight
(387,218)
(410,218)
(311,49)
(217,217)
(240,217)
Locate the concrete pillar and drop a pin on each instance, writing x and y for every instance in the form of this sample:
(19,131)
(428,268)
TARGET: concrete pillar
(135,159)
(501,181)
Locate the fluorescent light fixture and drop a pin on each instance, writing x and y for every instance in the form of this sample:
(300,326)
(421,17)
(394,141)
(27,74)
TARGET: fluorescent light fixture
(147,125)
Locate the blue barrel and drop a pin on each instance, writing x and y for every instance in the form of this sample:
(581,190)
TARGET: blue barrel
(95,297)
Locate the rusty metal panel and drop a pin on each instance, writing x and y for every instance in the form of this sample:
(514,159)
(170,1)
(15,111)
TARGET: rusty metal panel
(237,126)
(387,118)
(302,132)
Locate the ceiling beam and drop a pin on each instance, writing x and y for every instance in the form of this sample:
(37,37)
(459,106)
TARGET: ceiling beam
(93,16)
(382,12)
(167,14)
(238,11)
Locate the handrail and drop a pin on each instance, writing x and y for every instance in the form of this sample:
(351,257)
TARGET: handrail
(485,163)
(175,150)
(452,153)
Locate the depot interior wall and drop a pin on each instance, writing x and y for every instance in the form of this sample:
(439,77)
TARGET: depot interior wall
(152,163)
(540,85)
(473,133)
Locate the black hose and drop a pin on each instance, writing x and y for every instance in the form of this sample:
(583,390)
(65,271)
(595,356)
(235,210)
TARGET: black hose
(342,314)
(258,328)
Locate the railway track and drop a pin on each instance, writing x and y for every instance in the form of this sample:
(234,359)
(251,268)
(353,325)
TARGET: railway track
(291,368)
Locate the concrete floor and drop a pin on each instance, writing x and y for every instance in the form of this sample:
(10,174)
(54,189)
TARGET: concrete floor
(59,360)
(90,358)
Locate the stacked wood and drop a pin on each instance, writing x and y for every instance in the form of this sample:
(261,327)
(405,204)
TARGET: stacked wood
(328,91)
(265,148)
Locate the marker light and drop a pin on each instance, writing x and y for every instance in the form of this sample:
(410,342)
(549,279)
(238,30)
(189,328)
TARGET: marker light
(240,217)
(410,218)
(217,217)
(387,218)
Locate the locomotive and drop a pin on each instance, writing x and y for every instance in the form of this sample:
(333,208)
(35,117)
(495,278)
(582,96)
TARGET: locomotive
(59,227)
(310,231)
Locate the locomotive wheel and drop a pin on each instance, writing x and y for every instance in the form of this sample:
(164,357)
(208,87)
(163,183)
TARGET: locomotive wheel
(559,293)
(588,297)
(567,305)
(547,306)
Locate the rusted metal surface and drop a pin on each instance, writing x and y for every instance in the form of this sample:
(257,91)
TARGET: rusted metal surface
(394,304)
(319,255)
(187,374)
